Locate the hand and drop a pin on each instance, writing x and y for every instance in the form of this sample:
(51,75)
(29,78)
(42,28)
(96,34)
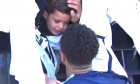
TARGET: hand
(77,6)
(51,81)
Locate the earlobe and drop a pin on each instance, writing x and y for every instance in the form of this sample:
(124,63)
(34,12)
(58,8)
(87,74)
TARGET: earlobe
(45,14)
(63,58)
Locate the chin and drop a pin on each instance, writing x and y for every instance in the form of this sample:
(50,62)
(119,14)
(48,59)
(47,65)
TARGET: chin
(57,34)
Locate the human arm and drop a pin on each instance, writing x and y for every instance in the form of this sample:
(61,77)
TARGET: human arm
(77,6)
(49,80)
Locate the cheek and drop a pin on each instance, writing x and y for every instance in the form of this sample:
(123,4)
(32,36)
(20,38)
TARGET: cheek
(65,27)
(50,25)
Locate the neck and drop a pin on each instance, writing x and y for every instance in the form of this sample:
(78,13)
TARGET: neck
(77,70)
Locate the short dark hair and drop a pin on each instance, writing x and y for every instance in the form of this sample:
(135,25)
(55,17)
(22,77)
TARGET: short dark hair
(60,5)
(79,44)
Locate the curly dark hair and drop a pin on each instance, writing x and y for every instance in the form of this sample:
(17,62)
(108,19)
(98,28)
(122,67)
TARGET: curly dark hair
(80,44)
(60,5)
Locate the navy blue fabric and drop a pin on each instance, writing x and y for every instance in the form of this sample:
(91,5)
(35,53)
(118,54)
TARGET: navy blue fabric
(109,62)
(41,6)
(93,77)
(1,62)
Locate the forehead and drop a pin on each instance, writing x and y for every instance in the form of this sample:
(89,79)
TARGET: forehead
(60,16)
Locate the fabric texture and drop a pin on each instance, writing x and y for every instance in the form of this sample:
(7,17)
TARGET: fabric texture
(93,77)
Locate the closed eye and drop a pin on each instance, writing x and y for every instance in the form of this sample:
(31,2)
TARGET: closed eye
(57,21)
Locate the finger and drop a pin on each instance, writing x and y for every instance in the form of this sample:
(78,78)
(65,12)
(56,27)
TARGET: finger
(74,1)
(73,16)
(75,4)
(77,7)
(72,13)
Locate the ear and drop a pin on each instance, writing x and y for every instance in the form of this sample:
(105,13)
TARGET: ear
(45,14)
(63,57)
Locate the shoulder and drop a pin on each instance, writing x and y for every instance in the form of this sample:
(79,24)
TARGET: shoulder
(79,78)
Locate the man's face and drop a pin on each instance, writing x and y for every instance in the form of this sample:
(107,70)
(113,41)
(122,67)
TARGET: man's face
(57,22)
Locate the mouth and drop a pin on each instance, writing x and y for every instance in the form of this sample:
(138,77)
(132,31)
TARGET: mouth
(58,31)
